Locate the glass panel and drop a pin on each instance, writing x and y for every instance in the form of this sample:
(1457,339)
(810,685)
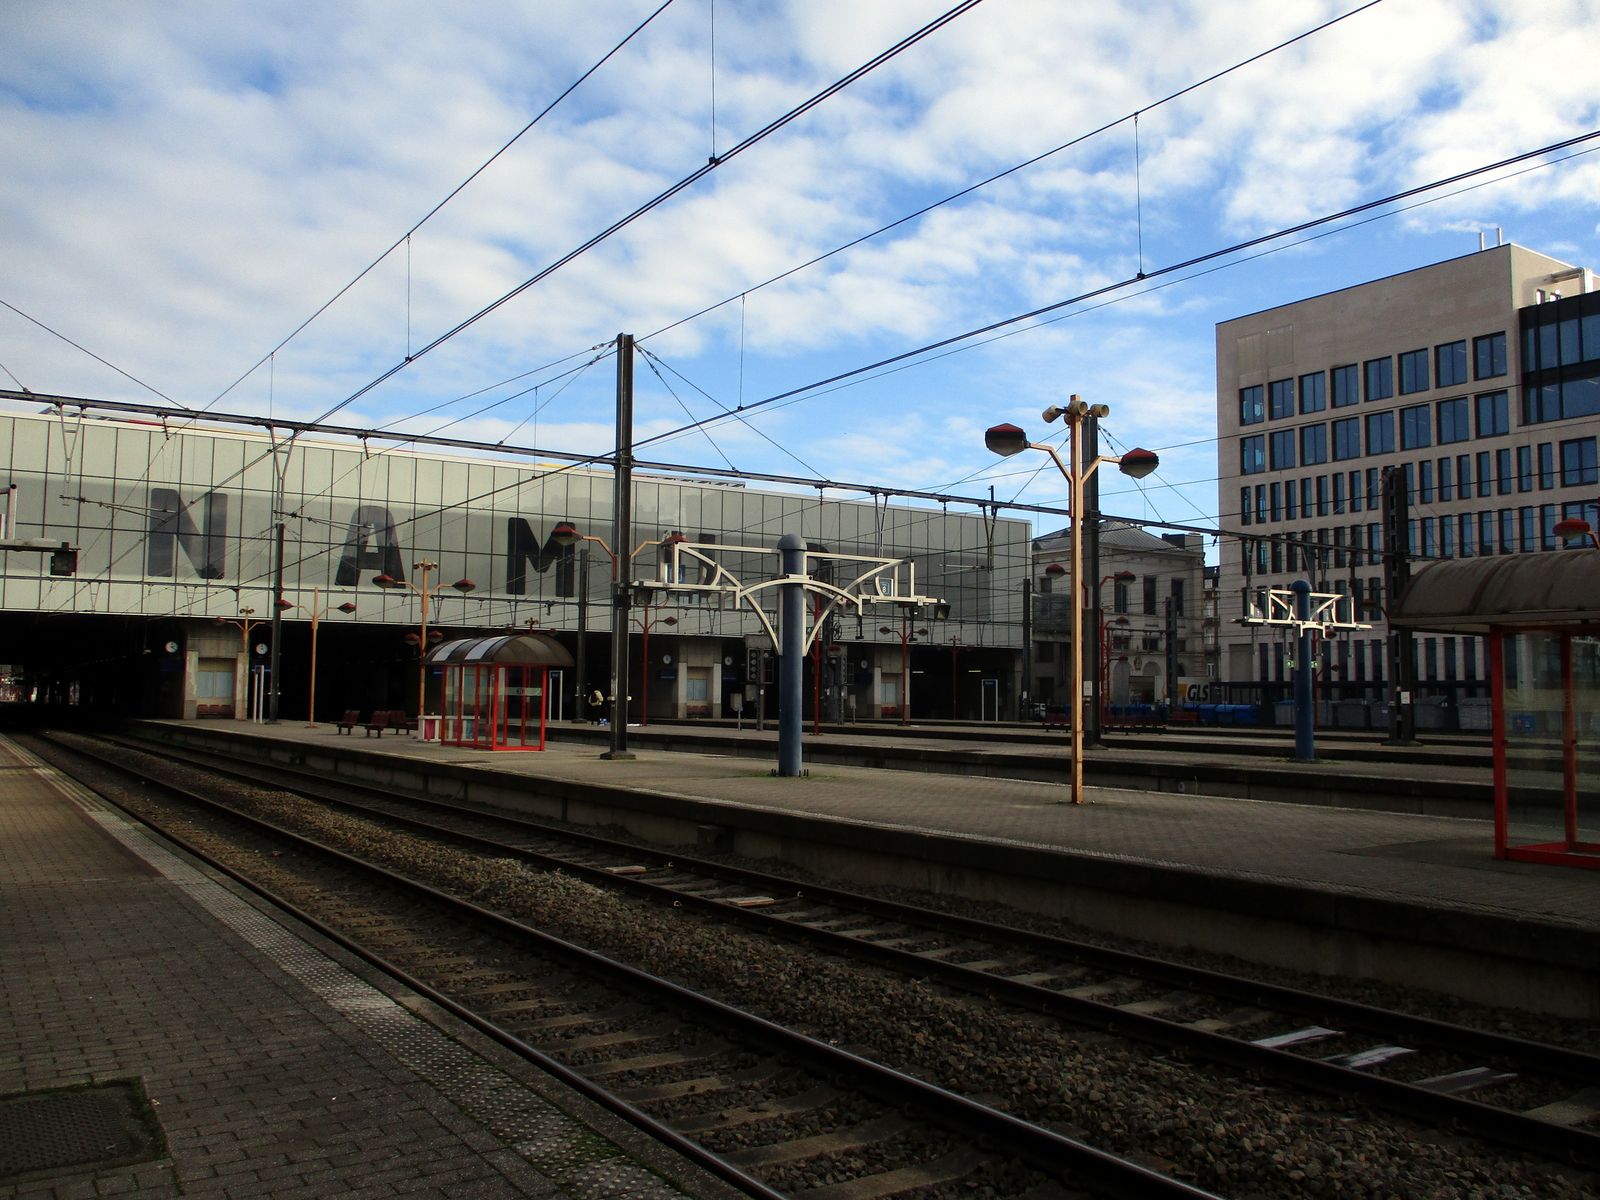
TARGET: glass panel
(1551,710)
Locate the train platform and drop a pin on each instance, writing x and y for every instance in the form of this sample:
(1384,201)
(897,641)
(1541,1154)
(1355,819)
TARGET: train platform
(1406,896)
(163,1034)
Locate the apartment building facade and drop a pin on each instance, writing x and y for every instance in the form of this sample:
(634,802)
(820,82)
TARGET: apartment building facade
(1477,378)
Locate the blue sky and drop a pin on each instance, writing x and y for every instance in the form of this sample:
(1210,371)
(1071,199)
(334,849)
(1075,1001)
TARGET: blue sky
(184,185)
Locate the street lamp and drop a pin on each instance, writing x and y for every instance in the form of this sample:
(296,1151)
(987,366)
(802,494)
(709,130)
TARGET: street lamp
(244,625)
(1006,440)
(316,613)
(423,591)
(1573,531)
(906,634)
(646,623)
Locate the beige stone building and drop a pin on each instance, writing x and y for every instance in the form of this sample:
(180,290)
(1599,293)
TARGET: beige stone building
(1478,377)
(1151,593)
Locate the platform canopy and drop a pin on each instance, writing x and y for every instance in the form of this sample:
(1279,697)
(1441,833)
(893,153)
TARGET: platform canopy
(512,649)
(1471,595)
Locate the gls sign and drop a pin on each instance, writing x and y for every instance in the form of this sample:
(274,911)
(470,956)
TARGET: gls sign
(200,531)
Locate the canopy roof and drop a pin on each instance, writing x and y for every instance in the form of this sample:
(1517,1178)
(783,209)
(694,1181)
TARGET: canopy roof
(521,649)
(1468,595)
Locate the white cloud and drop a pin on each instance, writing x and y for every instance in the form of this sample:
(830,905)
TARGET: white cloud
(185,186)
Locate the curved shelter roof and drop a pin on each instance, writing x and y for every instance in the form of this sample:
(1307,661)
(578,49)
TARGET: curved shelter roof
(519,649)
(1468,595)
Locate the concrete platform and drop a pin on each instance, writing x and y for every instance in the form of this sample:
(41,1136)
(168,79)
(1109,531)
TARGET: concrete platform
(1402,896)
(272,1064)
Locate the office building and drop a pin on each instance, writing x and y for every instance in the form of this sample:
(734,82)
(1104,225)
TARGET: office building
(1478,378)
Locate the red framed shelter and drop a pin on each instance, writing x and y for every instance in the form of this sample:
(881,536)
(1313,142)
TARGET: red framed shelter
(1540,614)
(496,689)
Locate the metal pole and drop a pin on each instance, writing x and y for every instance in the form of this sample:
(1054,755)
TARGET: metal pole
(277,626)
(644,669)
(905,668)
(1027,640)
(621,538)
(580,698)
(1091,552)
(422,641)
(311,704)
(1075,480)
(1396,572)
(791,654)
(1305,738)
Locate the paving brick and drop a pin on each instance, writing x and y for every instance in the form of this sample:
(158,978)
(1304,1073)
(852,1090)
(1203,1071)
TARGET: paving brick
(268,1078)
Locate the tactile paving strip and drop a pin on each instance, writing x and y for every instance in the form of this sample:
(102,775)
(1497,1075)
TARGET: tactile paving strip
(76,1127)
(569,1153)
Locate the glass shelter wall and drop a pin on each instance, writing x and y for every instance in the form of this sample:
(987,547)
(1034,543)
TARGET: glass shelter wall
(1547,745)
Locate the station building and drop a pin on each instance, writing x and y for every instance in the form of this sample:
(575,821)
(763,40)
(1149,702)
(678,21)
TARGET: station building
(1478,377)
(179,535)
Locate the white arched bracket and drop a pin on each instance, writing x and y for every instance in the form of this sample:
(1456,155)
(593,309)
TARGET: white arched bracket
(876,580)
(1329,612)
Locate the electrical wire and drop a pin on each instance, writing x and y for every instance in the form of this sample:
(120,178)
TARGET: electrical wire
(660,198)
(404,239)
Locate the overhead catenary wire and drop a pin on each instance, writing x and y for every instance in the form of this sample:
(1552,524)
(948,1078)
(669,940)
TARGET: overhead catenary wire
(660,198)
(405,238)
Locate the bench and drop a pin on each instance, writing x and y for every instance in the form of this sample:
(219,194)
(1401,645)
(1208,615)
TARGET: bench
(399,722)
(379,722)
(351,718)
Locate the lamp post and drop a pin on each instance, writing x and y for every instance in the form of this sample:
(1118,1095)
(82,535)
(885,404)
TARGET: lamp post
(316,613)
(906,634)
(1105,652)
(1006,440)
(388,582)
(646,623)
(244,625)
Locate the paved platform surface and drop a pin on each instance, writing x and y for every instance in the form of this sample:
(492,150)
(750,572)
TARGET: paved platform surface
(1445,862)
(276,1067)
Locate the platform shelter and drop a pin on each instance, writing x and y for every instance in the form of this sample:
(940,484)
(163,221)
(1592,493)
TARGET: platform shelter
(1540,614)
(496,689)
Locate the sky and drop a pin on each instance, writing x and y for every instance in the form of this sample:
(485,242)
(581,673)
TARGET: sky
(184,185)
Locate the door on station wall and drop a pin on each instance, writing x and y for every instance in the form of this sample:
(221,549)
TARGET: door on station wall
(697,691)
(213,687)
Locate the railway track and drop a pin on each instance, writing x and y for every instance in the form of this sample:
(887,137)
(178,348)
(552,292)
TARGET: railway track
(774,1111)
(1535,1097)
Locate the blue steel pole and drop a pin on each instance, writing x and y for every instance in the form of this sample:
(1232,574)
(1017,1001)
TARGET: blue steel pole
(791,635)
(1305,747)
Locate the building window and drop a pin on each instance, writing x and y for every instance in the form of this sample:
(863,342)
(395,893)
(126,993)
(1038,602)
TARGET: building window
(1289,508)
(1416,427)
(1338,492)
(1261,504)
(1413,371)
(1547,466)
(1447,538)
(1282,449)
(1280,399)
(1502,472)
(1508,531)
(1313,393)
(1485,533)
(1530,528)
(1464,527)
(1494,414)
(1346,386)
(1380,378)
(1578,464)
(1425,482)
(1485,482)
(1275,500)
(1541,402)
(1251,410)
(1355,491)
(1524,468)
(1489,356)
(1464,475)
(1313,444)
(1244,513)
(1450,364)
(1347,438)
(1447,489)
(1380,433)
(1452,420)
(1252,455)
(1119,587)
(1149,595)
